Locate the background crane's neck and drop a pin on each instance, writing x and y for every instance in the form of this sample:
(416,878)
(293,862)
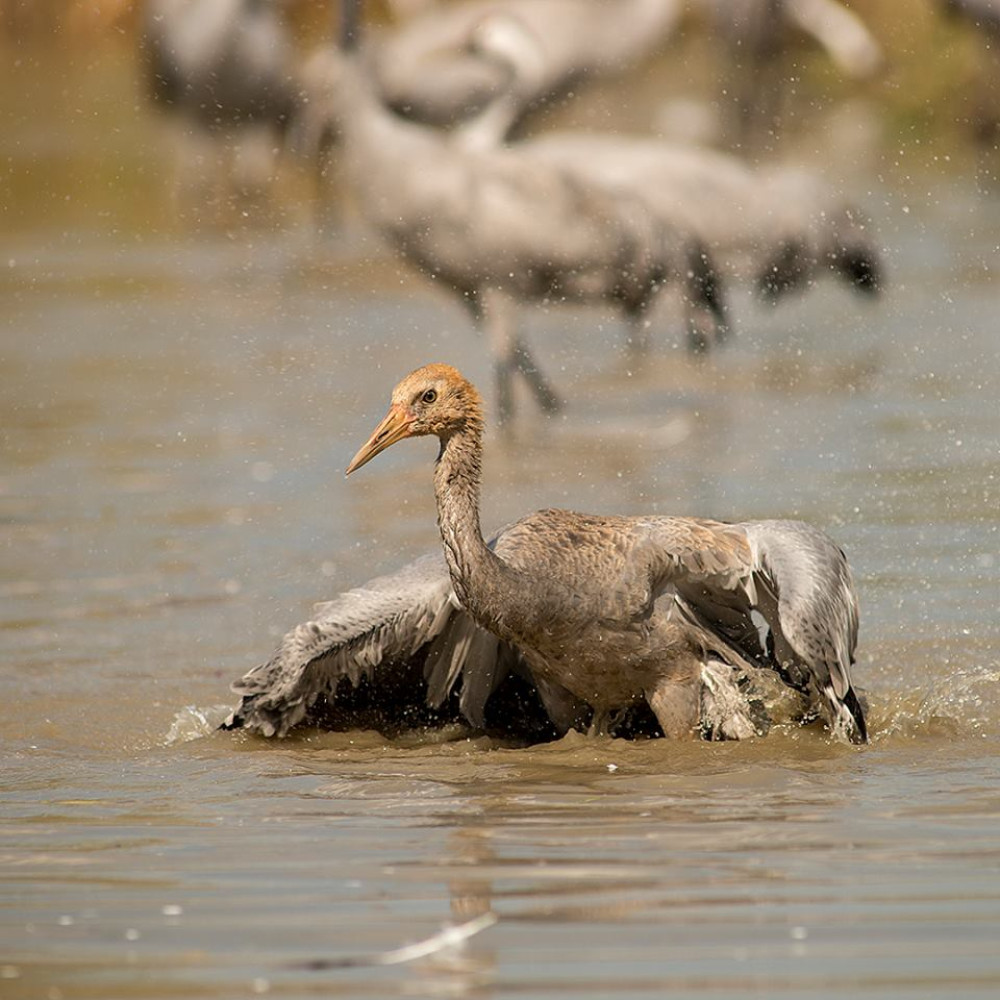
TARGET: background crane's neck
(487,587)
(379,146)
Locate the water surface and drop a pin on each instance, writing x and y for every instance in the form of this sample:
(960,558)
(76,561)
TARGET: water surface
(178,405)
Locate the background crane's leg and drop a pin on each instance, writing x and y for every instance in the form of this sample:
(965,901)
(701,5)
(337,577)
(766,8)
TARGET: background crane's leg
(704,303)
(639,340)
(497,317)
(546,396)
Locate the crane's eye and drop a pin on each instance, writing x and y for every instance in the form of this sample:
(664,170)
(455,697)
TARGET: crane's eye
(429,396)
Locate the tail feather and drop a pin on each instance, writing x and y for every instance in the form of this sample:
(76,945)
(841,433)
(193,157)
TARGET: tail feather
(860,267)
(853,252)
(785,271)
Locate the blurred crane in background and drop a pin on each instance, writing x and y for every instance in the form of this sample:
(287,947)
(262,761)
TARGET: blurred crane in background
(984,17)
(426,70)
(780,227)
(755,34)
(225,71)
(499,229)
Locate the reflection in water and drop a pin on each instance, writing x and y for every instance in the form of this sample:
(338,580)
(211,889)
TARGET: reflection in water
(177,411)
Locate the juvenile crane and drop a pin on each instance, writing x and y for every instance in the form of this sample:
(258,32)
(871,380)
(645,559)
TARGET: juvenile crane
(606,612)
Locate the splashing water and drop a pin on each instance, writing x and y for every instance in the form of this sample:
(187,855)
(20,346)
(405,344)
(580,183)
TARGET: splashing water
(967,700)
(192,723)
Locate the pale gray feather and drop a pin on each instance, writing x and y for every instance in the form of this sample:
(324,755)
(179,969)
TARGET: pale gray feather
(388,619)
(467,652)
(370,629)
(799,583)
(428,70)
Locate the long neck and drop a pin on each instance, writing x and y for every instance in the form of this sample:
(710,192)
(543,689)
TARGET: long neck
(379,145)
(491,127)
(505,42)
(486,586)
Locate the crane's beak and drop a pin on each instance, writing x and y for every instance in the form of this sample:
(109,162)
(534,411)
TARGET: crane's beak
(396,425)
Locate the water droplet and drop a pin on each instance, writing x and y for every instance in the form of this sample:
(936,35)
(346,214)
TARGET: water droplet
(262,472)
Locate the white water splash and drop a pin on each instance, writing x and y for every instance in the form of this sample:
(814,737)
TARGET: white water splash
(450,938)
(192,723)
(966,700)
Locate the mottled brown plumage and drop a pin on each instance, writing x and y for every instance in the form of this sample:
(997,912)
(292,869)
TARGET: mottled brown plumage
(612,611)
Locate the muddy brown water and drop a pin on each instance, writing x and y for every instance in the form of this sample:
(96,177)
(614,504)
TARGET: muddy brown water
(178,405)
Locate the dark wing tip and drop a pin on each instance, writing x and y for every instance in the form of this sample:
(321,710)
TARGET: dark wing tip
(859,731)
(233,721)
(862,270)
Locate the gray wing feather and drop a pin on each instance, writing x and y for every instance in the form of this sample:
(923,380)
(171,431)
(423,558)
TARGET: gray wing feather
(807,575)
(389,618)
(793,608)
(465,651)
(808,598)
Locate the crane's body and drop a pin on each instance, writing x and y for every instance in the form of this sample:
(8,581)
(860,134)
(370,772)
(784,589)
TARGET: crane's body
(604,612)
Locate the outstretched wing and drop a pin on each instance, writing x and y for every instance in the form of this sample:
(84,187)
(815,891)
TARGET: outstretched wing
(780,594)
(806,596)
(385,623)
